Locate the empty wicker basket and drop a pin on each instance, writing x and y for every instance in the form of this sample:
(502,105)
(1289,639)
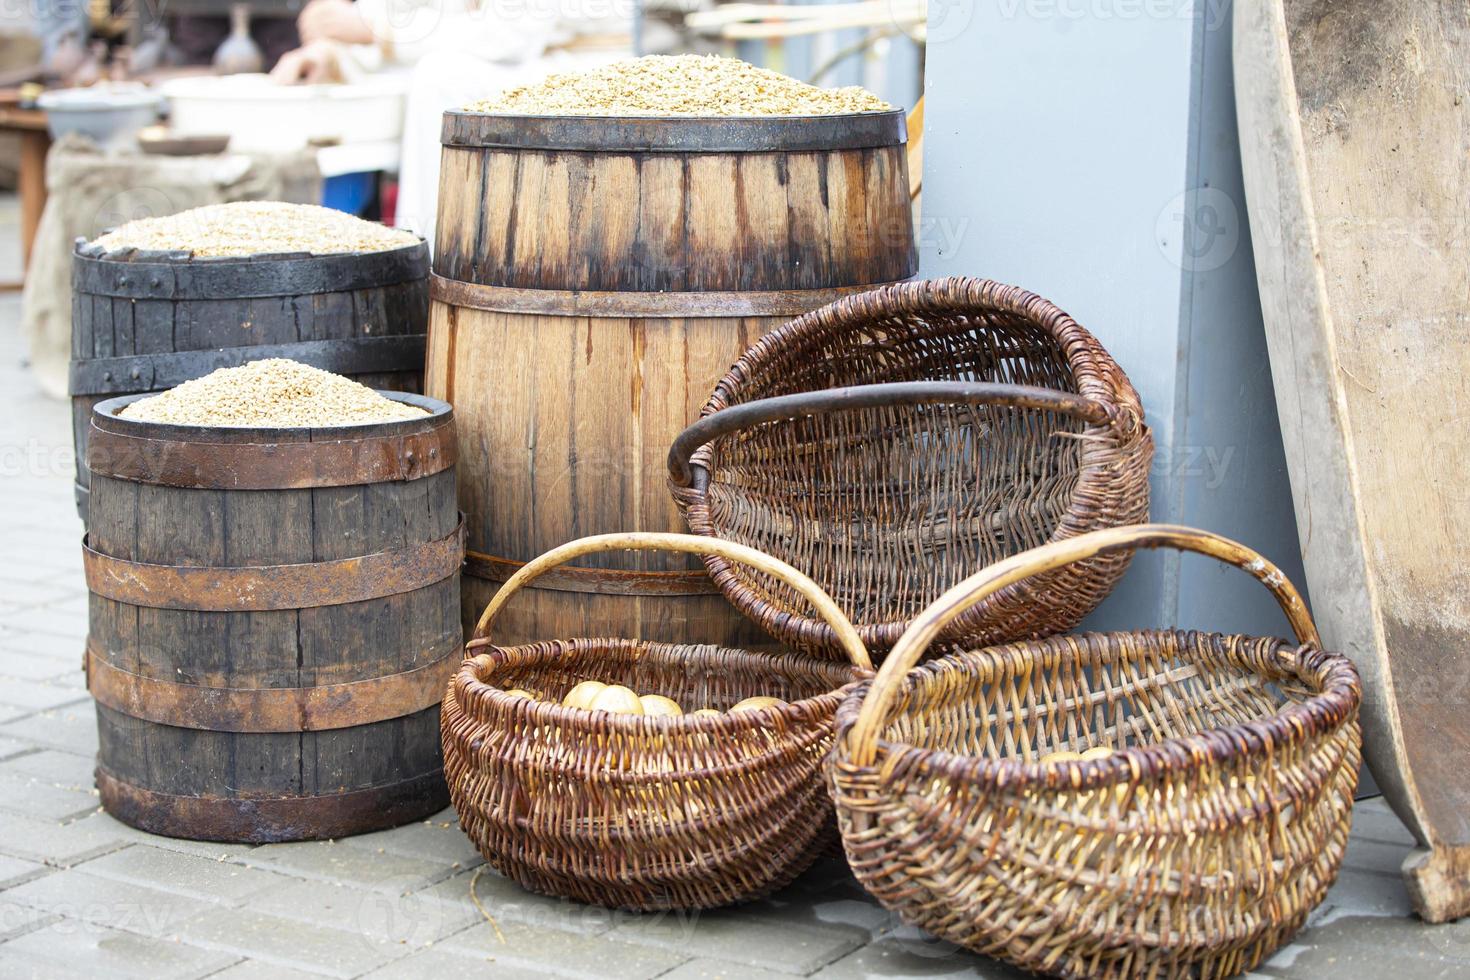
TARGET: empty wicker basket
(896,441)
(1194,848)
(646,812)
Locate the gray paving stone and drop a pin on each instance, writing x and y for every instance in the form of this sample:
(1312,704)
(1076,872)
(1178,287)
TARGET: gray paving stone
(437,839)
(185,874)
(22,593)
(29,667)
(1369,893)
(738,937)
(374,915)
(256,970)
(855,910)
(62,650)
(17,919)
(509,902)
(59,844)
(37,696)
(718,970)
(15,870)
(1371,855)
(78,949)
(12,747)
(287,942)
(125,906)
(335,861)
(1374,820)
(62,768)
(1370,946)
(567,954)
(44,798)
(71,729)
(438,963)
(43,621)
(909,952)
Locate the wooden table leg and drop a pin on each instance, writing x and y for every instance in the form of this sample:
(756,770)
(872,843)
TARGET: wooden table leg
(32,180)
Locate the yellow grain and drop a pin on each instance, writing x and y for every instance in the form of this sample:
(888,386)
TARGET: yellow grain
(275,393)
(679,85)
(256,228)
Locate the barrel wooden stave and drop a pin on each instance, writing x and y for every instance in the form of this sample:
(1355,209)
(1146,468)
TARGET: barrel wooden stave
(258,785)
(664,222)
(108,326)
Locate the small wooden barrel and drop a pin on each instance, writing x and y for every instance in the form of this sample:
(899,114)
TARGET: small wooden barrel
(148,321)
(593,279)
(274,619)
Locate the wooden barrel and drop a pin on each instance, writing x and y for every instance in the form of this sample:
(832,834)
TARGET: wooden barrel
(274,620)
(147,321)
(593,279)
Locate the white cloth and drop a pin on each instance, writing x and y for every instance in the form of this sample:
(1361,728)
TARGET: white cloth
(450,81)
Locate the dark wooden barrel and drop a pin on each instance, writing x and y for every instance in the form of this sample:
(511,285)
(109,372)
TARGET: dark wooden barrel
(274,620)
(593,279)
(147,321)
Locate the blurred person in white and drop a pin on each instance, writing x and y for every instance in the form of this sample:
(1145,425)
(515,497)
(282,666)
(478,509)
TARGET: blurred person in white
(455,51)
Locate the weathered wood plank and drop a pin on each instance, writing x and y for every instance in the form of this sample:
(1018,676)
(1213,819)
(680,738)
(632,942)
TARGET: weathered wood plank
(1353,134)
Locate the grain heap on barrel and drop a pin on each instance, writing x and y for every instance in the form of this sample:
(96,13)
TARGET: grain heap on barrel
(682,85)
(256,228)
(275,393)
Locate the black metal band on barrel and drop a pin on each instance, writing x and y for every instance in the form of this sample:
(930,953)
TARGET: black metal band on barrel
(558,302)
(596,581)
(274,709)
(155,372)
(648,134)
(266,820)
(255,588)
(170,276)
(271,466)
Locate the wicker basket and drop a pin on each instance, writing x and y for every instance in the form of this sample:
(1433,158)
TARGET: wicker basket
(1194,849)
(646,812)
(898,440)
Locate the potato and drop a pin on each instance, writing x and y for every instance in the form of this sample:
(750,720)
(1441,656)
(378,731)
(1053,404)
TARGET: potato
(617,699)
(657,704)
(583,694)
(755,704)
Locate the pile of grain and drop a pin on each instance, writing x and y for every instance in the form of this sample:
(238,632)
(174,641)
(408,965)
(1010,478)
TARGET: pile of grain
(683,85)
(278,393)
(257,228)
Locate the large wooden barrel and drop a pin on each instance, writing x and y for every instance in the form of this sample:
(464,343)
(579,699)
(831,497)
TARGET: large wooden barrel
(147,321)
(593,279)
(274,619)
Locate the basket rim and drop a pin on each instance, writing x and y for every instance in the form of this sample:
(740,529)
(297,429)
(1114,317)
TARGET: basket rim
(1107,384)
(1326,711)
(467,687)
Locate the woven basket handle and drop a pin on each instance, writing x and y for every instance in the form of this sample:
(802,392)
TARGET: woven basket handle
(689,544)
(863,737)
(783,407)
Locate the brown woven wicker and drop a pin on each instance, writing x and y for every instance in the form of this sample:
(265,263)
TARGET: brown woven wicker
(646,812)
(969,421)
(1194,849)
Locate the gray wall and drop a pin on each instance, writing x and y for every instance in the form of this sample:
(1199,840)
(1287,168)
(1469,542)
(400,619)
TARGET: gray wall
(1086,150)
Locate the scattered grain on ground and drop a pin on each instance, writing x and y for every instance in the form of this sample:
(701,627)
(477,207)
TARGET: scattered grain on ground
(256,228)
(277,393)
(679,85)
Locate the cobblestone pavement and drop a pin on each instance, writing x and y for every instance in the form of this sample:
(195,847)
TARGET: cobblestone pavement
(82,895)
